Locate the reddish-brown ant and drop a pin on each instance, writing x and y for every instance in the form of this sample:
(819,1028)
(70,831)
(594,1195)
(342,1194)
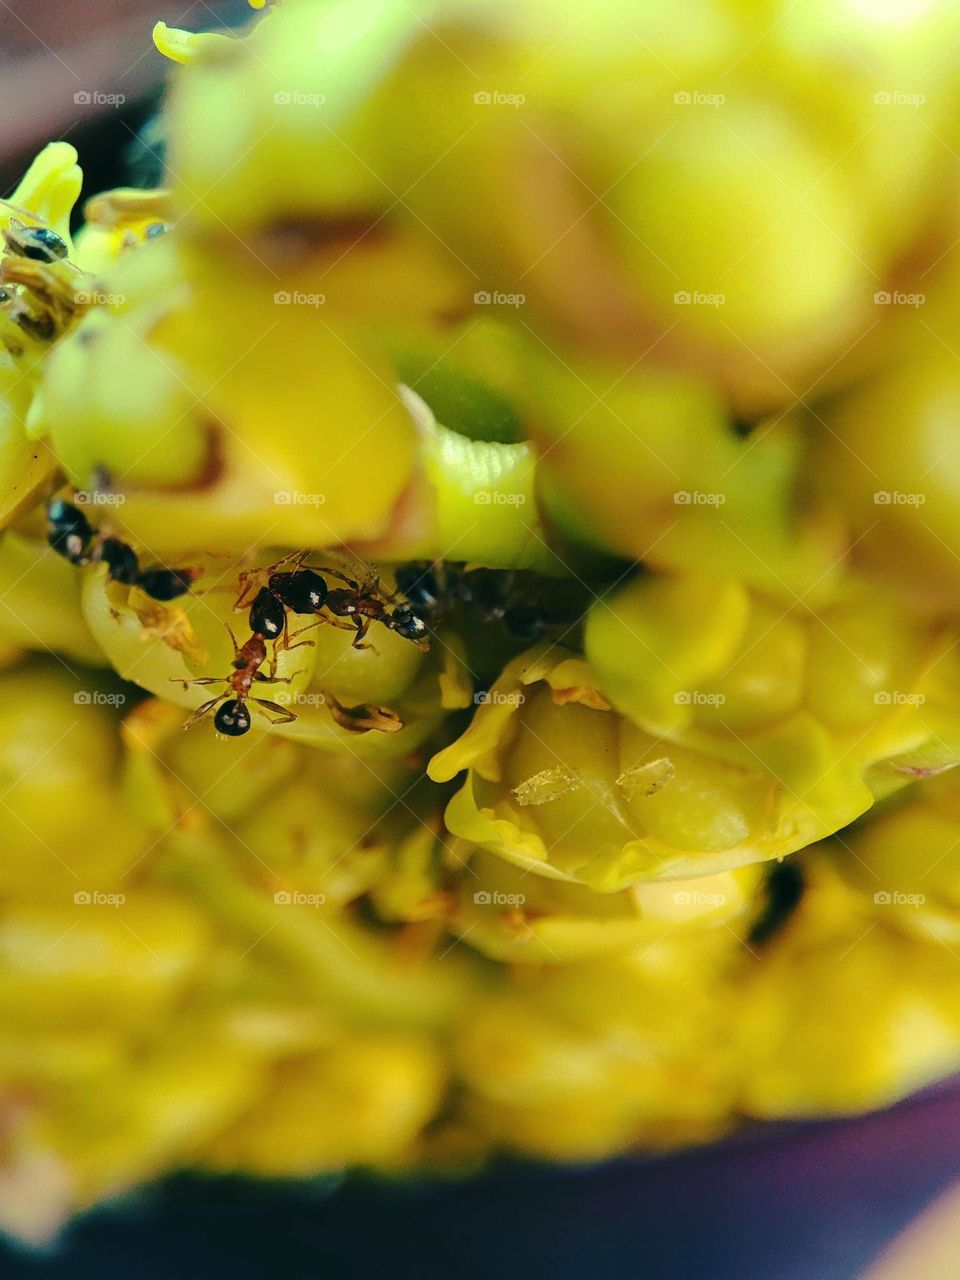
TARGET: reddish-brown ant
(233,716)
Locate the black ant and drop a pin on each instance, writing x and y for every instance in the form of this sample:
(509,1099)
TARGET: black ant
(302,591)
(233,715)
(306,592)
(72,536)
(489,595)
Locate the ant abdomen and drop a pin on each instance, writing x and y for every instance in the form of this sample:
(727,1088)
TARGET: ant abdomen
(267,614)
(303,591)
(232,718)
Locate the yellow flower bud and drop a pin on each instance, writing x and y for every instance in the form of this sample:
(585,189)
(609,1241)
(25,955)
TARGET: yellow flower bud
(362,1102)
(589,1058)
(861,696)
(58,776)
(838,1022)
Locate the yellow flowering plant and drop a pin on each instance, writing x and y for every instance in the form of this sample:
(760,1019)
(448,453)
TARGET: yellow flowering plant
(530,480)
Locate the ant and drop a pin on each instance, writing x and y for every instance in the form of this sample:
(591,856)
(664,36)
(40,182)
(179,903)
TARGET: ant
(72,536)
(37,243)
(364,604)
(302,591)
(305,591)
(232,717)
(489,595)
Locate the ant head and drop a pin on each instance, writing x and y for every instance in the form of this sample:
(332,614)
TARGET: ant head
(408,624)
(232,718)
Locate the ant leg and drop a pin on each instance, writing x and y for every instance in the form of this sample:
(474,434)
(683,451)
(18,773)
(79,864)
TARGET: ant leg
(295,557)
(335,573)
(274,712)
(247,580)
(202,710)
(333,621)
(200,680)
(251,580)
(363,626)
(289,635)
(373,586)
(301,644)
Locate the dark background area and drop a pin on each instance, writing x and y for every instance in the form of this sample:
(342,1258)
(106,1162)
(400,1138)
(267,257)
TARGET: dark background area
(798,1202)
(51,51)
